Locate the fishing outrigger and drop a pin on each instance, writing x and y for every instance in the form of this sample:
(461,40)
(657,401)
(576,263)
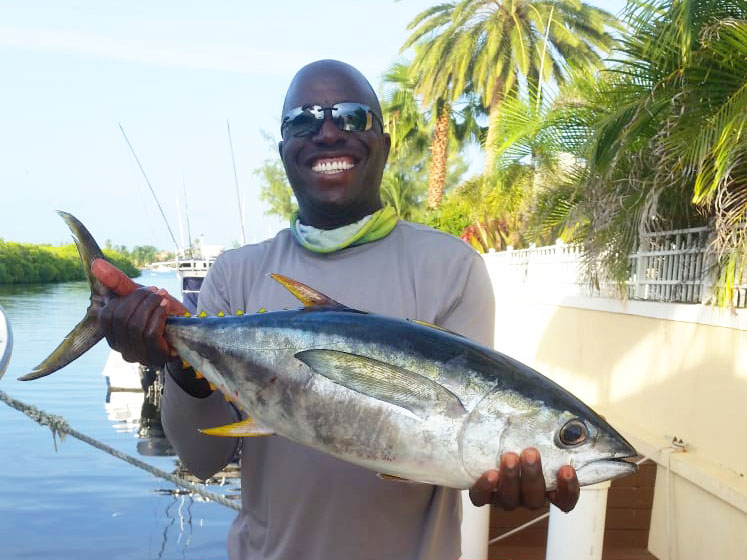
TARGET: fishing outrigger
(398,397)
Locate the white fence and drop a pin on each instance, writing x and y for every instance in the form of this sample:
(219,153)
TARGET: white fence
(670,266)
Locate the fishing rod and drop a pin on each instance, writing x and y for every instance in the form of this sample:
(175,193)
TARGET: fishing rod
(236,181)
(171,233)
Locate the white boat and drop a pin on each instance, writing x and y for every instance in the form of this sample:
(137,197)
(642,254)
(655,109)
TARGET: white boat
(6,341)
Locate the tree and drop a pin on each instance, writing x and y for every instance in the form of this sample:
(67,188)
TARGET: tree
(664,130)
(490,46)
(412,134)
(274,187)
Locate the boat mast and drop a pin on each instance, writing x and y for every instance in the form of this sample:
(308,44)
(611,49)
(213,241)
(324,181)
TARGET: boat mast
(236,181)
(171,233)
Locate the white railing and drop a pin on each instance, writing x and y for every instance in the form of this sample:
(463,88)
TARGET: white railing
(673,266)
(670,266)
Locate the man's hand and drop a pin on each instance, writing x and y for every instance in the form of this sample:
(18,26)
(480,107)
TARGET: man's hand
(134,322)
(519,482)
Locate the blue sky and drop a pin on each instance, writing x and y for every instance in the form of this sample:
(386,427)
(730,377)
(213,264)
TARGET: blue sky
(172,73)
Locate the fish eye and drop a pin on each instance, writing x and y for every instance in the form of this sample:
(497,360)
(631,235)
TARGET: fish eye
(573,433)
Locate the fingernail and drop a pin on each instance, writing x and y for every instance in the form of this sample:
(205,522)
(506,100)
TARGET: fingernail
(530,457)
(511,462)
(164,302)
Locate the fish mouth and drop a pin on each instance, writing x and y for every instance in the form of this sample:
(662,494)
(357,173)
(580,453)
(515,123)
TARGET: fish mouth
(608,468)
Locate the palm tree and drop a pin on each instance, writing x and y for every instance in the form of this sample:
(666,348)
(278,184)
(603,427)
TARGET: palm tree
(445,125)
(490,45)
(662,131)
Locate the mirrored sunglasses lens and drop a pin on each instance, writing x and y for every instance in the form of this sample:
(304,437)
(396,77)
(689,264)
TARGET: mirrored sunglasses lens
(303,124)
(352,117)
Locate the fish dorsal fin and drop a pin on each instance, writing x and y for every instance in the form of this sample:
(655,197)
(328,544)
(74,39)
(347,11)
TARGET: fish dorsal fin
(308,296)
(385,382)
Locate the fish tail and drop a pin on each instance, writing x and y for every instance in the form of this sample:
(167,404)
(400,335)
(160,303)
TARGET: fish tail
(87,332)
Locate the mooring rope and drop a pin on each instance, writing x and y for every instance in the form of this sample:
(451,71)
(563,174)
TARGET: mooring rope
(59,427)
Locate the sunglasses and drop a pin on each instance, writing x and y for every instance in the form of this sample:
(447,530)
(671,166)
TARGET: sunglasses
(307,120)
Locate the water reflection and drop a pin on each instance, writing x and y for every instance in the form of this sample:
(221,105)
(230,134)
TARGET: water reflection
(137,410)
(78,499)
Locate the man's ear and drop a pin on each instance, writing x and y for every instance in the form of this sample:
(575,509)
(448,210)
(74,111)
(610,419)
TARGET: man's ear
(280,149)
(387,144)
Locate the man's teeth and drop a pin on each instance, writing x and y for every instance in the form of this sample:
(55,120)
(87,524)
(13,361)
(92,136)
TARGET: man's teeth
(332,166)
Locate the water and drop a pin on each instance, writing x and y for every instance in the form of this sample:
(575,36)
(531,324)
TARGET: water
(78,502)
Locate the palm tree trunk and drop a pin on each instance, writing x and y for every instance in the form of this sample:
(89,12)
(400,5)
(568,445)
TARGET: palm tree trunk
(439,147)
(492,137)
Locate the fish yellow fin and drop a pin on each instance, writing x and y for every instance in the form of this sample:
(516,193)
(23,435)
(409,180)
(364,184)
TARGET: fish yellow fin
(245,428)
(306,295)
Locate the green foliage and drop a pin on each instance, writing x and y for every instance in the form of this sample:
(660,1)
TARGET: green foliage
(660,132)
(25,263)
(274,187)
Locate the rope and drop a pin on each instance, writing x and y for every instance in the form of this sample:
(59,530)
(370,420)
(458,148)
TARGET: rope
(59,427)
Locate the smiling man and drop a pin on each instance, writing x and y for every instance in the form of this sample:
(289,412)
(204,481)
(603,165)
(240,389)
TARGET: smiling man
(296,501)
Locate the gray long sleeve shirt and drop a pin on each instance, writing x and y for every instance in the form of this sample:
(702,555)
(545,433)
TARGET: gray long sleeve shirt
(298,502)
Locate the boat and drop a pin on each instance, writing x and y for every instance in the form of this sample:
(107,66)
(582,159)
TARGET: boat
(6,341)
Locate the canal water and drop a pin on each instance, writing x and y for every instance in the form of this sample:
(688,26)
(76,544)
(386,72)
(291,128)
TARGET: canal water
(76,501)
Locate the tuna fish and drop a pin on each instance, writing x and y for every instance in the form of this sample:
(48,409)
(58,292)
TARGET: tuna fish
(399,397)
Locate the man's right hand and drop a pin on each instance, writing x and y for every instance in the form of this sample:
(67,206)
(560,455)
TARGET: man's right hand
(134,323)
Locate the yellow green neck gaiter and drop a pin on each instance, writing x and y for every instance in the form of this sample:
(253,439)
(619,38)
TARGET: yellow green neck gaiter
(371,228)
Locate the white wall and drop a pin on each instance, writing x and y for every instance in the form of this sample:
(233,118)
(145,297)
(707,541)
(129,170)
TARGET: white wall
(655,371)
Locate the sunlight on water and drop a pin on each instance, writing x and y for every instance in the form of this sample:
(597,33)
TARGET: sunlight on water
(78,502)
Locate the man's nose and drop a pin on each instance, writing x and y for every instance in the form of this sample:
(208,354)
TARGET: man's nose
(329,133)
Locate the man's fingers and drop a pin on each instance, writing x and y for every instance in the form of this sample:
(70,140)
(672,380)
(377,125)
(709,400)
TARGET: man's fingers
(113,278)
(508,493)
(156,348)
(566,496)
(482,491)
(172,305)
(532,479)
(130,322)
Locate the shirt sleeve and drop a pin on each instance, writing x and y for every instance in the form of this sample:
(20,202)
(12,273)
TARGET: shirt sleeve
(183,415)
(471,308)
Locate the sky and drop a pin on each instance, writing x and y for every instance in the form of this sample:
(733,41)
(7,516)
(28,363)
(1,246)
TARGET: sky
(174,75)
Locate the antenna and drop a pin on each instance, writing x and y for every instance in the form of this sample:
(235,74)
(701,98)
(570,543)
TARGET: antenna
(236,181)
(150,187)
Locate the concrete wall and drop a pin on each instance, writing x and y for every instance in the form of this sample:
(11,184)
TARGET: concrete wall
(680,371)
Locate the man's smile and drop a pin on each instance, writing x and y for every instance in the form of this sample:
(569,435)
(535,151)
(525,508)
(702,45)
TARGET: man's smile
(332,165)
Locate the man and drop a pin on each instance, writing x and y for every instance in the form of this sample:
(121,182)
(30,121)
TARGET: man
(296,501)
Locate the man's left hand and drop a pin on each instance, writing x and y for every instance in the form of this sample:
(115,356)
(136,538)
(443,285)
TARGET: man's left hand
(519,482)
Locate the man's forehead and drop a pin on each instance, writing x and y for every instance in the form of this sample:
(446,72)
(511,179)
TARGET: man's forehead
(327,84)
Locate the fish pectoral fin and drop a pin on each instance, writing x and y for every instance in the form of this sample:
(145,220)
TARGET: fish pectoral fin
(305,294)
(245,428)
(386,382)
(392,478)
